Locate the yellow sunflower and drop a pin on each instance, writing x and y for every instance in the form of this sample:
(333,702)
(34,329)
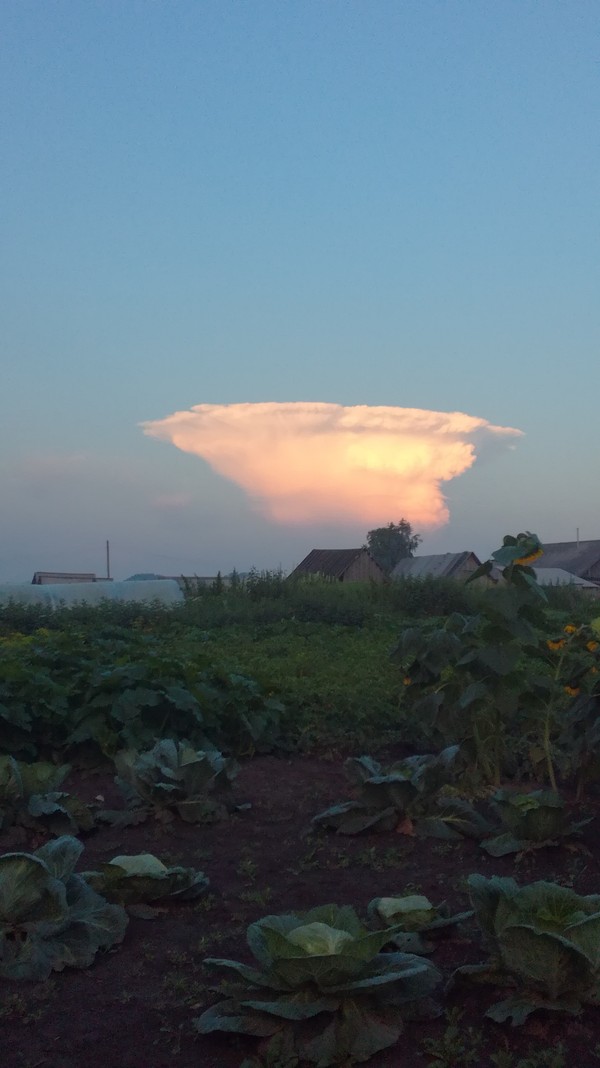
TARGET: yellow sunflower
(530,558)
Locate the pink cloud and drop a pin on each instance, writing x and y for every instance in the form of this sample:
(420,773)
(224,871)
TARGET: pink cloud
(305,462)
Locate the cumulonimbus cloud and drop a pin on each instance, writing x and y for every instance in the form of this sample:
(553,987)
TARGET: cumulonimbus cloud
(315,462)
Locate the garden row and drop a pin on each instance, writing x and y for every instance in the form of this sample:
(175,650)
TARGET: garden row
(326,987)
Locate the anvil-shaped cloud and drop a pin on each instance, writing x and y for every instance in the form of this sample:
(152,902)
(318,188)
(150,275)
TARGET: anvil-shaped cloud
(306,462)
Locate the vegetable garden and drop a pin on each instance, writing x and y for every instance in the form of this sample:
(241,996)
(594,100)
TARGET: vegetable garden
(303,825)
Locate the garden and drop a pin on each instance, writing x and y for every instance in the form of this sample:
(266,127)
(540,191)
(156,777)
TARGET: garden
(293,824)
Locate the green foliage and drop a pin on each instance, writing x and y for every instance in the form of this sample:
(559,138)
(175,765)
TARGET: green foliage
(499,682)
(321,977)
(429,597)
(173,778)
(50,918)
(388,545)
(529,821)
(236,715)
(29,797)
(410,797)
(272,664)
(458,1047)
(543,940)
(133,880)
(65,689)
(579,740)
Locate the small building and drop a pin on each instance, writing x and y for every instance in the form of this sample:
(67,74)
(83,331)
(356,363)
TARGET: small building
(557,576)
(441,565)
(580,558)
(343,565)
(51,578)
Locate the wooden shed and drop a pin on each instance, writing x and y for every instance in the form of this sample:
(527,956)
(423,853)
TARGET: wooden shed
(343,565)
(441,565)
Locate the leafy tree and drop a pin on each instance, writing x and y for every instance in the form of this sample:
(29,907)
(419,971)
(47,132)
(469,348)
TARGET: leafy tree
(390,544)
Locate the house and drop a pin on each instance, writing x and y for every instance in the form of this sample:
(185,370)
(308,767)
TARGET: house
(442,565)
(580,558)
(344,565)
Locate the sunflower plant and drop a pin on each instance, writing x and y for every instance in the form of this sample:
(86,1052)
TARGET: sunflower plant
(504,674)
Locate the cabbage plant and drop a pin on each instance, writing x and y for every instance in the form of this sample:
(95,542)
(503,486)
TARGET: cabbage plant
(173,778)
(417,923)
(321,976)
(30,797)
(529,821)
(132,880)
(543,940)
(409,796)
(50,918)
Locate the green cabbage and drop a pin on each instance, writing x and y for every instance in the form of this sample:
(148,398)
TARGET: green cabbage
(132,880)
(542,938)
(528,821)
(324,985)
(29,796)
(49,917)
(411,792)
(174,778)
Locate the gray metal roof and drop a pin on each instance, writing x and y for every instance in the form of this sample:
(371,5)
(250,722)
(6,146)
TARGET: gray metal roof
(557,576)
(578,559)
(440,565)
(332,562)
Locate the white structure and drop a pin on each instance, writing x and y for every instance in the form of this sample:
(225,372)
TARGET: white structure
(57,595)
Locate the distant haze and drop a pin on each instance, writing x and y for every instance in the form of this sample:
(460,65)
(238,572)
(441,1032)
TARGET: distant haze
(304,462)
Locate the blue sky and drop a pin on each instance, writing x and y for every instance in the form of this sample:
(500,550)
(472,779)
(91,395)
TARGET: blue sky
(374,203)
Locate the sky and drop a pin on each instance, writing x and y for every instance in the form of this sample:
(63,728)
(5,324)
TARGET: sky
(383,212)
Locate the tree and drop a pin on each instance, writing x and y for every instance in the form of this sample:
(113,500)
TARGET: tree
(390,544)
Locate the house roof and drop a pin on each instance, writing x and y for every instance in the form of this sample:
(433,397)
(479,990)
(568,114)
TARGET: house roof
(440,565)
(557,576)
(571,556)
(48,577)
(332,562)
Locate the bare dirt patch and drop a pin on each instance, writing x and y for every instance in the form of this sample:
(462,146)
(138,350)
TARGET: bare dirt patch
(134,1007)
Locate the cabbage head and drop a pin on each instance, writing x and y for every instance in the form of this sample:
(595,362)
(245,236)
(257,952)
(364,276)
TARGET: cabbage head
(133,880)
(322,978)
(417,922)
(543,940)
(50,918)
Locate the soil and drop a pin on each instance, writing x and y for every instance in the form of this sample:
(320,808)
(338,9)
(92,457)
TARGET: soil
(135,1006)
